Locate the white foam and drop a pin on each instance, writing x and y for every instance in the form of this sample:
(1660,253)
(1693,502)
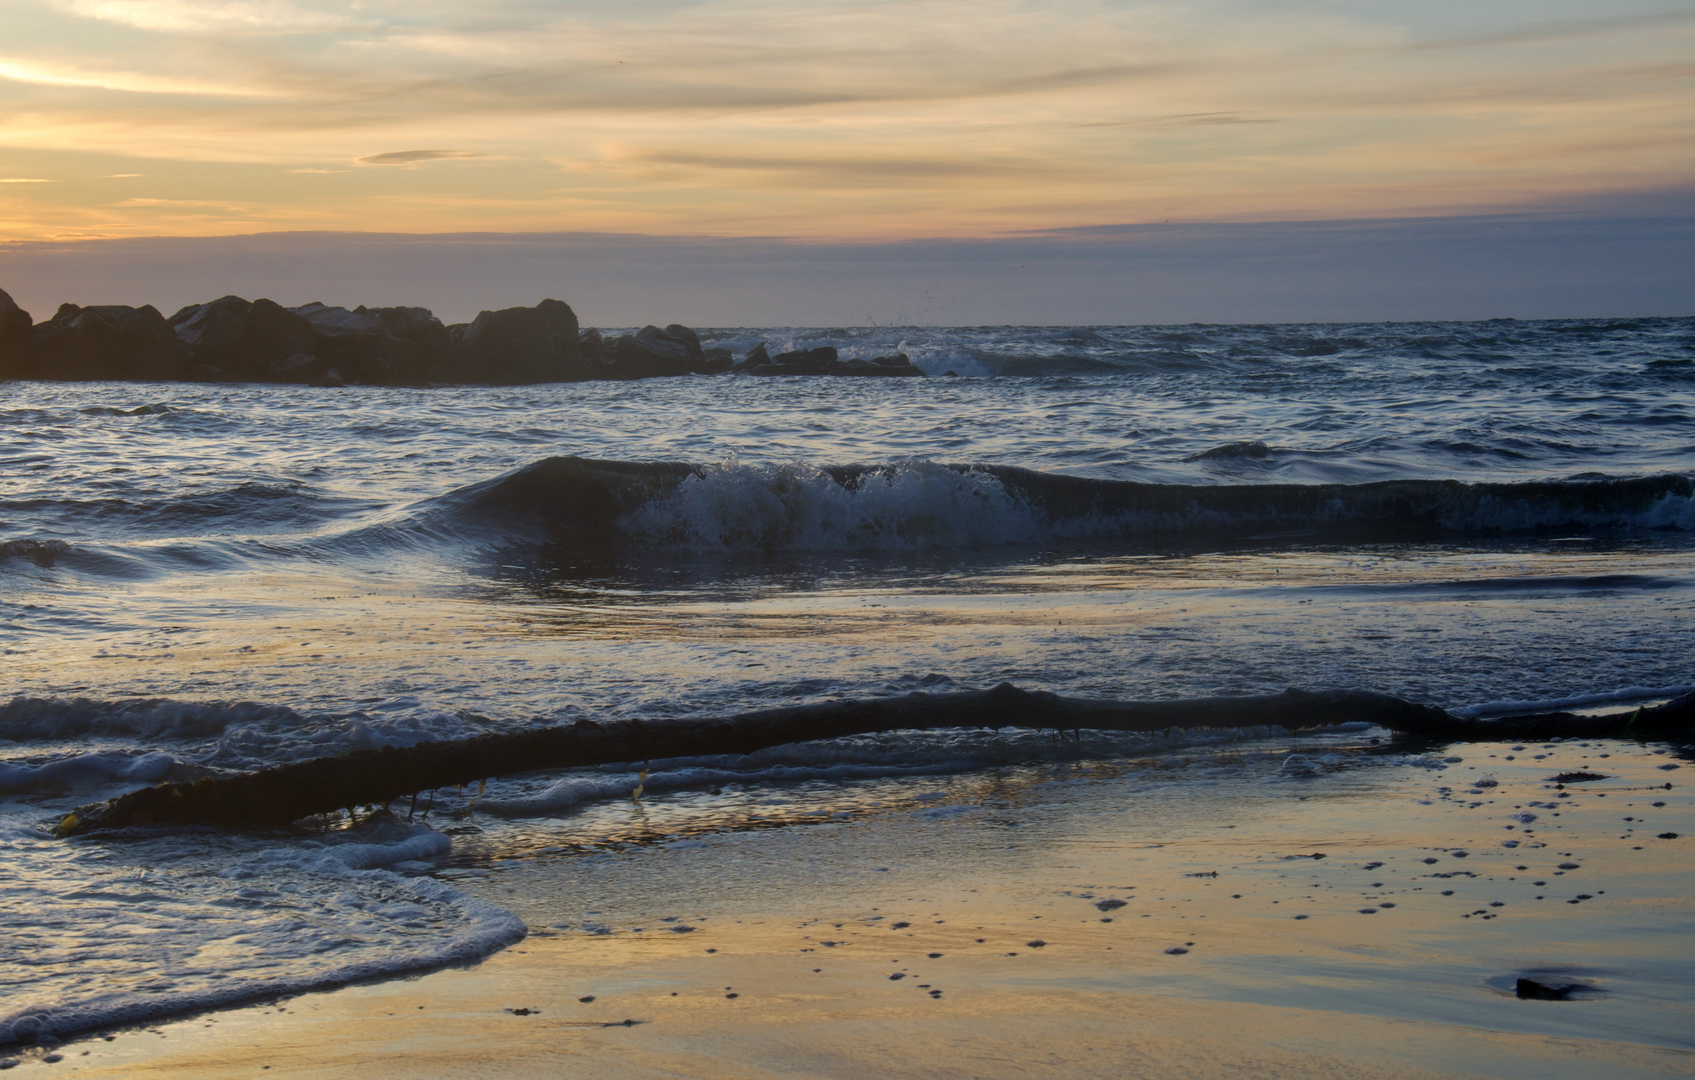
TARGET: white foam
(1599,697)
(81,772)
(220,922)
(799,507)
(885,755)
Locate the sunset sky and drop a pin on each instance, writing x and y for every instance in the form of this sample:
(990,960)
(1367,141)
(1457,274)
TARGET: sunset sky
(825,119)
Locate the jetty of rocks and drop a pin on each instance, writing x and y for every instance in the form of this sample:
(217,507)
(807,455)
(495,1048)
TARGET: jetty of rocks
(235,340)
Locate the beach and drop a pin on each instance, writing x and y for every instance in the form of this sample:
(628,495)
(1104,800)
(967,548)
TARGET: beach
(1339,910)
(200,580)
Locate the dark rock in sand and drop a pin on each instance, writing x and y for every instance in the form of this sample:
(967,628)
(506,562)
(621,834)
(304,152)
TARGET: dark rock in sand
(1547,990)
(1576,777)
(102,342)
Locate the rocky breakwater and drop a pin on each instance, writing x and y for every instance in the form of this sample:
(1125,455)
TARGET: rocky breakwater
(235,340)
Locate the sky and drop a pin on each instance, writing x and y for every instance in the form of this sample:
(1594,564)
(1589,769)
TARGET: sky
(836,123)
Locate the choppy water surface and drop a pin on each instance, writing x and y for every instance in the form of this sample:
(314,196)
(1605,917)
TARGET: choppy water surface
(217,577)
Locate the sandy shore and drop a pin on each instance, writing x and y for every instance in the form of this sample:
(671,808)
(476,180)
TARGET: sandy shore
(901,939)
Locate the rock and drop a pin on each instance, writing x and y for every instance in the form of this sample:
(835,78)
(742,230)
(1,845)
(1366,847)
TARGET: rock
(804,361)
(714,362)
(303,367)
(896,366)
(796,362)
(231,339)
(108,341)
(823,360)
(242,341)
(1547,990)
(339,322)
(679,332)
(756,357)
(15,338)
(651,352)
(674,350)
(522,345)
(404,346)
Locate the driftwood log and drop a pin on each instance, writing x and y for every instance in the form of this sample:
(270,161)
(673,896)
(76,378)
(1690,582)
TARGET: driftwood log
(286,793)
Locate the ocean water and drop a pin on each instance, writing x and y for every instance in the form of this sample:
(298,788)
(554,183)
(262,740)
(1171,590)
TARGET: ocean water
(202,578)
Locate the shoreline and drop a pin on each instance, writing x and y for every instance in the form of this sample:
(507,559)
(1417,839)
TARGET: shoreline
(1213,853)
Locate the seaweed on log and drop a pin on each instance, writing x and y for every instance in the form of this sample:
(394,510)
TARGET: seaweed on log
(283,794)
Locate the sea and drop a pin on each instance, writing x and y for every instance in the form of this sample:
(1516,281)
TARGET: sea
(201,579)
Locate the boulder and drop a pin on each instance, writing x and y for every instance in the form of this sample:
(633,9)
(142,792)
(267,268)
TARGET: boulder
(803,361)
(521,345)
(232,339)
(823,361)
(386,346)
(108,341)
(757,357)
(896,366)
(651,352)
(16,334)
(714,362)
(796,362)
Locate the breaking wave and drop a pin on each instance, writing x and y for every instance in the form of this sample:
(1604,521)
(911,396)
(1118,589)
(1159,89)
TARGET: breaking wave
(916,504)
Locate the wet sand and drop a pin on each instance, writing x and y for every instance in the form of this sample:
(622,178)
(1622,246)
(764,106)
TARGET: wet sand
(1187,929)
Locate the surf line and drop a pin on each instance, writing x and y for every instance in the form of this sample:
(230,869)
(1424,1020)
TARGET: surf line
(285,793)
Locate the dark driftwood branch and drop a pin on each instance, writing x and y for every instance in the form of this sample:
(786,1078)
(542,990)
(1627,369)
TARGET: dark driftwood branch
(286,793)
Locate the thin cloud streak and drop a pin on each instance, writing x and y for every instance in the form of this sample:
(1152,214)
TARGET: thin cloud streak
(416,157)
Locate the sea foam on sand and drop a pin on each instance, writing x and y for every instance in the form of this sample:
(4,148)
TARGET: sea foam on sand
(1206,914)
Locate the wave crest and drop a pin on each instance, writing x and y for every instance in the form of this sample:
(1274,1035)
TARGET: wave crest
(907,506)
(915,504)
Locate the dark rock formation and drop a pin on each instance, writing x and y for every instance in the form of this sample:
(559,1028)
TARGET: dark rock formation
(520,345)
(388,346)
(896,366)
(823,361)
(15,338)
(651,352)
(235,340)
(109,341)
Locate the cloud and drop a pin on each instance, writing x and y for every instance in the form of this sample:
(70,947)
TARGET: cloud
(182,204)
(844,118)
(416,157)
(120,176)
(25,180)
(135,82)
(871,170)
(216,16)
(1185,120)
(1581,29)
